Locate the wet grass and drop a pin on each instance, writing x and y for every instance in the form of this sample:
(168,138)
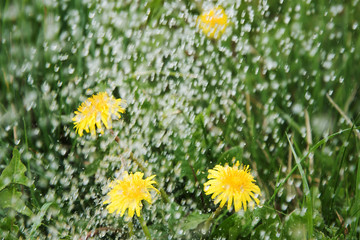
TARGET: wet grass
(279,92)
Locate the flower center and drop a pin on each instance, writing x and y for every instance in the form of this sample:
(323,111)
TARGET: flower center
(233,183)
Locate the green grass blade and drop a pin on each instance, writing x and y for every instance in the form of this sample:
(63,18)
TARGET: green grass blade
(312,149)
(306,191)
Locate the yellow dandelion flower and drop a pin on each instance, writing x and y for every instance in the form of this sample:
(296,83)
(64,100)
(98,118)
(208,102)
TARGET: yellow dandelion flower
(213,23)
(232,184)
(96,109)
(128,193)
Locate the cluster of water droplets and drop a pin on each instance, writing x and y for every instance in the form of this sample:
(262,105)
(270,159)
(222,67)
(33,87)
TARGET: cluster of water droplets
(183,92)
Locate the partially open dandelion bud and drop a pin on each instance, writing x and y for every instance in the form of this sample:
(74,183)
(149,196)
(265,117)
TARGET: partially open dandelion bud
(96,109)
(213,23)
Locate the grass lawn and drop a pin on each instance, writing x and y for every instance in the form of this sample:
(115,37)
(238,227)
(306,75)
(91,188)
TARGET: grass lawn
(274,88)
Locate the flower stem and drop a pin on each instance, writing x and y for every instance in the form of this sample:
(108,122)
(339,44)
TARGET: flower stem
(164,196)
(211,219)
(132,158)
(137,162)
(145,228)
(131,229)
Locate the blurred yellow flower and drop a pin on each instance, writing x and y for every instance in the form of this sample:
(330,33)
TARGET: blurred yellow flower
(128,193)
(213,23)
(232,184)
(96,109)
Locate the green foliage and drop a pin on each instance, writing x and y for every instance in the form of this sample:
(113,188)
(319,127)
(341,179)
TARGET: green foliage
(229,155)
(355,209)
(10,196)
(14,172)
(194,219)
(296,226)
(237,226)
(269,226)
(278,92)
(9,230)
(38,219)
(307,192)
